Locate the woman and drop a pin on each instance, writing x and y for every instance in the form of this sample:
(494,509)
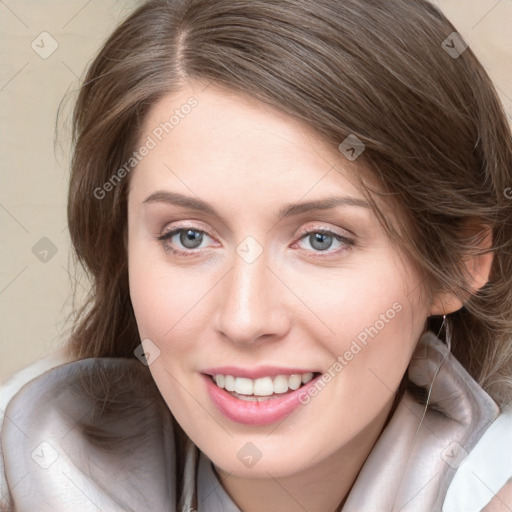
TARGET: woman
(296,221)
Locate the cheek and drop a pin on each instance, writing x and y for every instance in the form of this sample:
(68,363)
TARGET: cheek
(376,321)
(165,304)
(369,360)
(361,304)
(167,300)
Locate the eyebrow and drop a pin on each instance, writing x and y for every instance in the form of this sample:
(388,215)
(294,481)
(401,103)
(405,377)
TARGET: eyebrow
(290,210)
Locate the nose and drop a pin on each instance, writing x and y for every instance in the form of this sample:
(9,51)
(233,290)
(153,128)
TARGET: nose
(252,307)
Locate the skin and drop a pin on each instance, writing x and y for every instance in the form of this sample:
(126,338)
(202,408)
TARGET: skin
(502,501)
(289,307)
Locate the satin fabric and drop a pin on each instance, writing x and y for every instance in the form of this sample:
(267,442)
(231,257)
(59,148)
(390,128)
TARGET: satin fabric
(96,434)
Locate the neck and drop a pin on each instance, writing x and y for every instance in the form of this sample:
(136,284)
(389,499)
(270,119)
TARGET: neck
(322,487)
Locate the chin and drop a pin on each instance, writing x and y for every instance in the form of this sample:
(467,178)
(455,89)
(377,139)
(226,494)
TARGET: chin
(256,459)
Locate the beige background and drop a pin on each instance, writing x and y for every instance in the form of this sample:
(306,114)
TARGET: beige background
(35,294)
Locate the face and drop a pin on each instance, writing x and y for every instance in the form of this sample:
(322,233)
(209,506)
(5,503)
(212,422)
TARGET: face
(233,272)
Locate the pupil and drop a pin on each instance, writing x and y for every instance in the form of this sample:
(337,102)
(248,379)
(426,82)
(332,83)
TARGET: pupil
(321,241)
(191,239)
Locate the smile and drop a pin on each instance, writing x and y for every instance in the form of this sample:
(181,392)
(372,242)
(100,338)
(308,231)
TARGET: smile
(258,401)
(264,388)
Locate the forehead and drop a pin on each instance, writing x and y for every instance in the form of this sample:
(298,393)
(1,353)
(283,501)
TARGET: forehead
(214,138)
(248,161)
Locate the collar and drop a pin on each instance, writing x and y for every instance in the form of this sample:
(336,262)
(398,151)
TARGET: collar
(415,458)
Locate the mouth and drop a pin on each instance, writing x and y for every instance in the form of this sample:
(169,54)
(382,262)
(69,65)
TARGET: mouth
(263,388)
(268,398)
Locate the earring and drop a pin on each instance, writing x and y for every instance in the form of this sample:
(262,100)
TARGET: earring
(448,336)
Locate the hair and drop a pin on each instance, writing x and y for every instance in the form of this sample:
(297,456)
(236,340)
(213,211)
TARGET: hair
(437,143)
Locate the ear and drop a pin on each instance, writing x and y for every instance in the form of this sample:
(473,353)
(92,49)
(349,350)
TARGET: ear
(478,270)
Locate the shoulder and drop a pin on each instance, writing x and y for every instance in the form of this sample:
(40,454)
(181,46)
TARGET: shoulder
(483,481)
(89,434)
(8,390)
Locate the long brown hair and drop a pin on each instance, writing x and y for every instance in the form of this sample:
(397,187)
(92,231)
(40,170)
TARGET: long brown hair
(390,72)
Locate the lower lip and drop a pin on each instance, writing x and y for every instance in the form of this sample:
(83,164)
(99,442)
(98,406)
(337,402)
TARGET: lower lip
(256,413)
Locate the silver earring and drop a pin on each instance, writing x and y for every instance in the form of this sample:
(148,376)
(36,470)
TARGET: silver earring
(448,336)
(429,393)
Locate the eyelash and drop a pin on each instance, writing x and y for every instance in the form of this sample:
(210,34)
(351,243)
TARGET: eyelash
(319,254)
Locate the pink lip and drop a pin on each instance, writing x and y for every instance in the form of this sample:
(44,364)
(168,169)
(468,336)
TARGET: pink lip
(255,413)
(257,372)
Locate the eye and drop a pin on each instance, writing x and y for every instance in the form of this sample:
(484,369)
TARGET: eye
(185,240)
(187,237)
(321,240)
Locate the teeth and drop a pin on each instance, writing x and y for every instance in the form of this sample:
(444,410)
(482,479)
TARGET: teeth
(243,386)
(264,386)
(295,381)
(229,383)
(280,384)
(306,377)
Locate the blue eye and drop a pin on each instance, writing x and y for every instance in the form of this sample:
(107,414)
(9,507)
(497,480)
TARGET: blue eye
(183,241)
(189,238)
(323,240)
(320,241)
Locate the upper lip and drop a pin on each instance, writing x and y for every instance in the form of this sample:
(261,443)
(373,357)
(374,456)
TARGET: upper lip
(256,372)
